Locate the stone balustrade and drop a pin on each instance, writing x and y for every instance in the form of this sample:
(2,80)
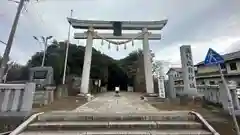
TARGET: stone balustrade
(179,89)
(211,93)
(46,96)
(216,94)
(15,98)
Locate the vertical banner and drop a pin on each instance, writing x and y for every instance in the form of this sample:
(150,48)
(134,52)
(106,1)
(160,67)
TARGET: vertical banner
(161,86)
(189,80)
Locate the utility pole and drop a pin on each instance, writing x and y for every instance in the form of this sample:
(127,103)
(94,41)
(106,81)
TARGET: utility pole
(45,48)
(44,52)
(10,39)
(45,43)
(66,56)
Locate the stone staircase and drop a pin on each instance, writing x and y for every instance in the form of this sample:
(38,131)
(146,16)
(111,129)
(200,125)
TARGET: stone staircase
(153,98)
(162,123)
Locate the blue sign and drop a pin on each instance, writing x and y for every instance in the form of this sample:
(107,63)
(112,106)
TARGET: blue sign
(213,58)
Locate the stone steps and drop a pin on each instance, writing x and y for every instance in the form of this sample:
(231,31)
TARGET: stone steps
(164,123)
(154,99)
(75,116)
(121,132)
(82,125)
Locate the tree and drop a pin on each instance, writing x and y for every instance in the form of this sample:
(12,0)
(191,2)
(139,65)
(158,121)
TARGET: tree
(18,72)
(131,63)
(55,56)
(156,67)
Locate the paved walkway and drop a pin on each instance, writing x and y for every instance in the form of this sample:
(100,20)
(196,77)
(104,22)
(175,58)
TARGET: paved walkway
(128,102)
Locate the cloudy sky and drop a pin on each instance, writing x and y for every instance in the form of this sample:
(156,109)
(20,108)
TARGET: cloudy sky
(199,23)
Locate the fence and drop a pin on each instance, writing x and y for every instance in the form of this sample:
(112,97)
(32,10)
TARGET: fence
(15,104)
(16,97)
(216,94)
(211,93)
(179,89)
(43,97)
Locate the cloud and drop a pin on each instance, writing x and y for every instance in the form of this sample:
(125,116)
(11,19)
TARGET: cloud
(202,24)
(234,46)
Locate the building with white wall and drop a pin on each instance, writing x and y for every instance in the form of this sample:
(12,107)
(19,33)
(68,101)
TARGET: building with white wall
(208,78)
(210,74)
(175,76)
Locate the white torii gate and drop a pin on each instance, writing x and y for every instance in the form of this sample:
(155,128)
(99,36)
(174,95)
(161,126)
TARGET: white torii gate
(144,26)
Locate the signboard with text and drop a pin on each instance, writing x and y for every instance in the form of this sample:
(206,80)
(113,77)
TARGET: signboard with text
(188,70)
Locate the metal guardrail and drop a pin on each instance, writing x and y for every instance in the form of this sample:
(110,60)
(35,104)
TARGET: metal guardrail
(205,123)
(24,125)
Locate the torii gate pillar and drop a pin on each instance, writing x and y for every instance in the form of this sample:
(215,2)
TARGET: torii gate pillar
(147,63)
(87,62)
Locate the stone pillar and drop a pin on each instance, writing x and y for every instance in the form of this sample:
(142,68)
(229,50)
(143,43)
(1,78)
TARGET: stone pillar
(233,91)
(28,97)
(189,80)
(147,63)
(235,99)
(171,88)
(223,97)
(87,62)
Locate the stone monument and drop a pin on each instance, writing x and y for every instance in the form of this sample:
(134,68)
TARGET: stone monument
(190,88)
(43,77)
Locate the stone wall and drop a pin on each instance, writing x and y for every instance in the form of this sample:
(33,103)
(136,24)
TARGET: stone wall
(139,84)
(139,79)
(61,91)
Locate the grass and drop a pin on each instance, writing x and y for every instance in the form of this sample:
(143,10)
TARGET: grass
(68,104)
(222,123)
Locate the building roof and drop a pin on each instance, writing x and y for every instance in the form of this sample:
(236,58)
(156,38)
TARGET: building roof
(177,69)
(226,57)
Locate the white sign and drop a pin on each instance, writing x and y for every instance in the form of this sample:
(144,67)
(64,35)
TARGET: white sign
(116,88)
(161,86)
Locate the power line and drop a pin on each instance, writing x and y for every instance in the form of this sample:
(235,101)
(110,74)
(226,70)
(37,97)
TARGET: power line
(36,11)
(3,42)
(21,12)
